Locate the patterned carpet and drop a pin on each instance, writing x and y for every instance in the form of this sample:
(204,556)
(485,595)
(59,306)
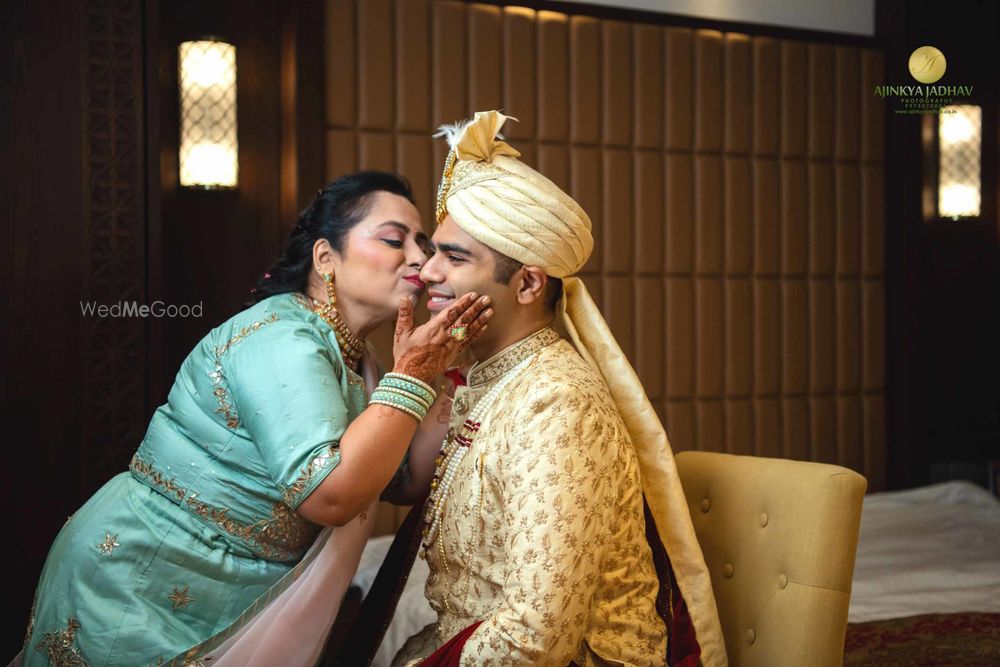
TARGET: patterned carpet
(934,640)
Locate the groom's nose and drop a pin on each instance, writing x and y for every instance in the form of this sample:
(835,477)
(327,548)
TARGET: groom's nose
(431,271)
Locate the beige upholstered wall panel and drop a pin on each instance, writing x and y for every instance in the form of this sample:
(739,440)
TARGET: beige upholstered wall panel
(735,182)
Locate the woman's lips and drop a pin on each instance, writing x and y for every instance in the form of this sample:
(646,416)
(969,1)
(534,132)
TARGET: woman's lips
(415,280)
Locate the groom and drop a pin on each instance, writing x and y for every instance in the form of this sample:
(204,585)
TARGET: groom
(556,531)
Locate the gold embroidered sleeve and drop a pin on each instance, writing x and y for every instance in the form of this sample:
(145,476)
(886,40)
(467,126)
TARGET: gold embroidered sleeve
(559,497)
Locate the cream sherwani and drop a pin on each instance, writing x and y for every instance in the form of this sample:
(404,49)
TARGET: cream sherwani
(542,536)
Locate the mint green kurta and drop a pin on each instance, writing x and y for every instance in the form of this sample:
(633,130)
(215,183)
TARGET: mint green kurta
(170,553)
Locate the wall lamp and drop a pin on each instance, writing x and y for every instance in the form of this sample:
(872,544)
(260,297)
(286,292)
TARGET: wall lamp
(209,151)
(960,138)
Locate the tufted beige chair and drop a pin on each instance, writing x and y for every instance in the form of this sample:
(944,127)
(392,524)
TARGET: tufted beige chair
(779,539)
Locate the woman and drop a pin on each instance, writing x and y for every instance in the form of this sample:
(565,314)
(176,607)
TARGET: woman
(268,435)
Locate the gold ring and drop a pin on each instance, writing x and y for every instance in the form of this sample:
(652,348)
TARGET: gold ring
(458,333)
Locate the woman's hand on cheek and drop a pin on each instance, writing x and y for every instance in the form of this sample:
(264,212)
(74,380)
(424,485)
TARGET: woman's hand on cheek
(425,352)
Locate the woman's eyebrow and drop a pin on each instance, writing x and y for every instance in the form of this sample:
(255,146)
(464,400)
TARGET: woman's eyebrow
(406,229)
(398,225)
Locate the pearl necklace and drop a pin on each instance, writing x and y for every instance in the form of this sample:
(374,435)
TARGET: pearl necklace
(452,453)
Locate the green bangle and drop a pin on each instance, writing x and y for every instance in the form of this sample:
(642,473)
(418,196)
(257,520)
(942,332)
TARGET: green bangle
(408,387)
(405,394)
(413,381)
(396,399)
(413,413)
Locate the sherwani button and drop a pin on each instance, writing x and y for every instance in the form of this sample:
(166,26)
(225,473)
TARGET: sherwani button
(728,570)
(705,505)
(763,519)
(751,636)
(782,581)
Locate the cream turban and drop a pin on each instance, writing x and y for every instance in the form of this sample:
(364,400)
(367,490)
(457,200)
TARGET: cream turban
(505,204)
(508,206)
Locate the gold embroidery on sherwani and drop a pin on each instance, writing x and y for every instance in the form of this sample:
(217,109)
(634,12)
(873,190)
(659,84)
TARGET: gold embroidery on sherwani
(494,367)
(58,646)
(221,391)
(283,536)
(543,537)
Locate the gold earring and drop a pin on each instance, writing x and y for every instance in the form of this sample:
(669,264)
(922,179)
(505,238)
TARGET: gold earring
(350,346)
(331,291)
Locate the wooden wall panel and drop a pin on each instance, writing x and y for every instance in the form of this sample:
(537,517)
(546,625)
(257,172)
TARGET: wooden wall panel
(739,336)
(767,427)
(680,338)
(708,87)
(585,79)
(765,94)
(616,98)
(737,83)
(709,230)
(767,340)
(375,67)
(737,211)
(585,188)
(647,72)
(519,69)
(448,62)
(553,76)
(709,349)
(792,87)
(485,52)
(767,217)
(680,213)
(618,220)
(648,197)
(649,334)
(413,71)
(679,103)
(341,66)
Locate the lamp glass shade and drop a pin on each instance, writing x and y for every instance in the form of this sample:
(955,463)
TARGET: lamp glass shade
(960,138)
(208,144)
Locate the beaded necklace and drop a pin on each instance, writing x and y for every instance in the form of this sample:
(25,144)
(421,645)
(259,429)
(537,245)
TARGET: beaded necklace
(453,451)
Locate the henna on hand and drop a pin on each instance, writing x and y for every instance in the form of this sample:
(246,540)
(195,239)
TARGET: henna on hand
(385,412)
(423,362)
(404,321)
(426,351)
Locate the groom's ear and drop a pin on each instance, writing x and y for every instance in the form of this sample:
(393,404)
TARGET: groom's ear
(532,285)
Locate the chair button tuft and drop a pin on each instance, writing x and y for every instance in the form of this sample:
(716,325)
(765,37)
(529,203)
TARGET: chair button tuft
(763,519)
(727,570)
(751,636)
(782,581)
(705,505)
